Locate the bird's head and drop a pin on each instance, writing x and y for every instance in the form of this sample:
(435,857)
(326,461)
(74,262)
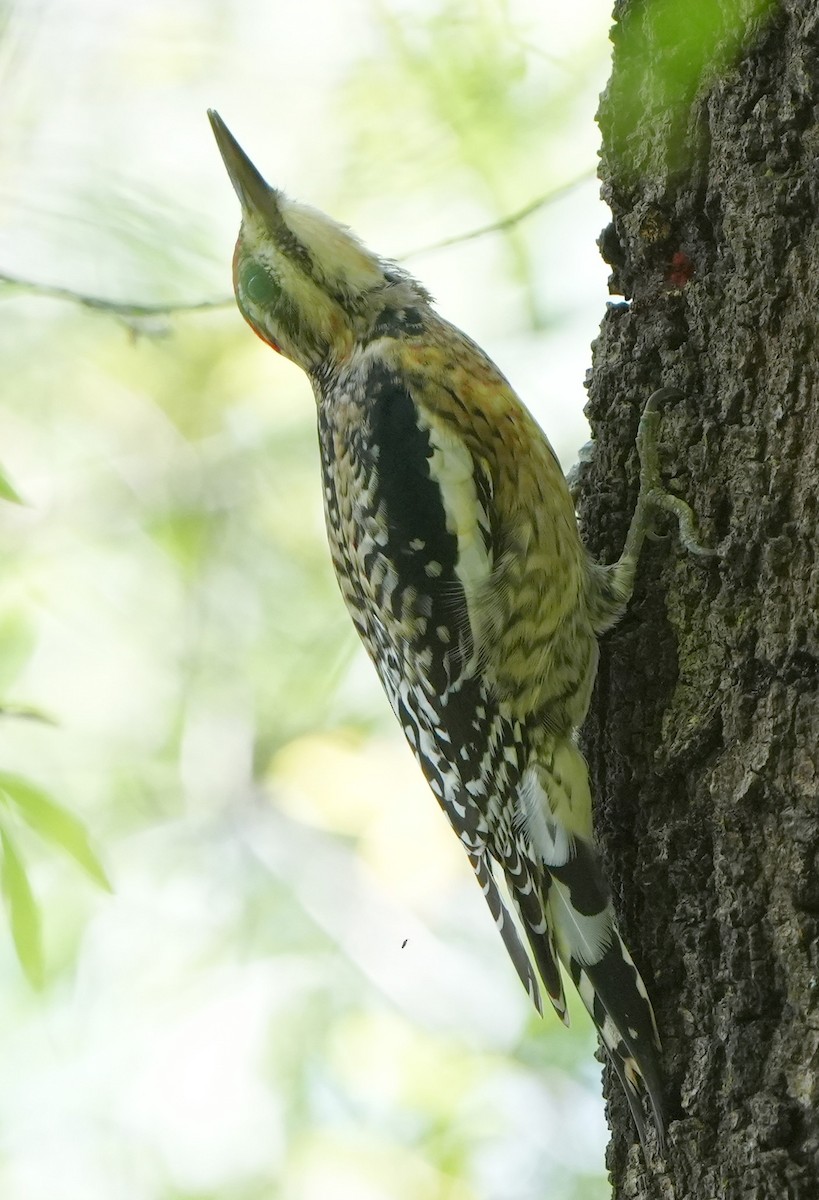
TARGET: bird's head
(304,283)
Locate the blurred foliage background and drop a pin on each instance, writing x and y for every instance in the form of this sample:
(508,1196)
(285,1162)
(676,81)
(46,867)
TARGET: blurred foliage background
(243,955)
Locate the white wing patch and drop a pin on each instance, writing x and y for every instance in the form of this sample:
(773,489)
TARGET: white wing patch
(452,467)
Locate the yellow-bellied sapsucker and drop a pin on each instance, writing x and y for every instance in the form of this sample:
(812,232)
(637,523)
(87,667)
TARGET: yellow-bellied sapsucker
(454,539)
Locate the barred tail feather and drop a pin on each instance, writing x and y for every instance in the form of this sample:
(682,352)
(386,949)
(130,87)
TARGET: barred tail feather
(609,983)
(557,807)
(531,903)
(616,1000)
(482,866)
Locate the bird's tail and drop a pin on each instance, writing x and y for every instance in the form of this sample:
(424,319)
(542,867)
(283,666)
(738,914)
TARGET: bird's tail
(557,802)
(532,911)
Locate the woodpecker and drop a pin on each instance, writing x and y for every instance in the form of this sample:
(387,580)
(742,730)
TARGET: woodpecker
(454,539)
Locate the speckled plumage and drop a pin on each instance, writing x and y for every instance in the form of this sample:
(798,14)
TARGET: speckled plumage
(455,543)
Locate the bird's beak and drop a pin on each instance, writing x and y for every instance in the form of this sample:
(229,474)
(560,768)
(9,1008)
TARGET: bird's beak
(255,195)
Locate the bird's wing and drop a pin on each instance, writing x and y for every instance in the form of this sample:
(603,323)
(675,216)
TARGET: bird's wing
(521,563)
(431,551)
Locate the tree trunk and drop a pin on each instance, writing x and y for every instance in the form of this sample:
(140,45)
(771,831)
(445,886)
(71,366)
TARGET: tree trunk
(703,734)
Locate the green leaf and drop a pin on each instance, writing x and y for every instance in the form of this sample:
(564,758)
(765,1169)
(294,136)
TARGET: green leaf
(7,492)
(26,712)
(24,913)
(54,824)
(18,638)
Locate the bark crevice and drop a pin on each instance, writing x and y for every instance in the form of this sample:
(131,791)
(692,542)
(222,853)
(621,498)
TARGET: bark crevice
(703,737)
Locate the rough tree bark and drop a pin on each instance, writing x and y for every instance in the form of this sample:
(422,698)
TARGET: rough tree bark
(704,729)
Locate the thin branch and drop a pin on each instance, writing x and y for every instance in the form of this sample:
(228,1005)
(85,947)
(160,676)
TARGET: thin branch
(115,307)
(126,310)
(505,222)
(25,713)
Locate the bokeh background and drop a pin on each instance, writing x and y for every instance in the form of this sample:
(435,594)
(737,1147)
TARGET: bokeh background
(242,955)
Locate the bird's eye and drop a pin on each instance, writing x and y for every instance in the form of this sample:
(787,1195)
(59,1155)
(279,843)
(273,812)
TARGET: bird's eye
(258,285)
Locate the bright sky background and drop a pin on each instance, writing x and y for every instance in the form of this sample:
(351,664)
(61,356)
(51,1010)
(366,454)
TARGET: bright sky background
(139,1076)
(118,93)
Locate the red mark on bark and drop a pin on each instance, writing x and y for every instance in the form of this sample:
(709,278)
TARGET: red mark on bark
(680,270)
